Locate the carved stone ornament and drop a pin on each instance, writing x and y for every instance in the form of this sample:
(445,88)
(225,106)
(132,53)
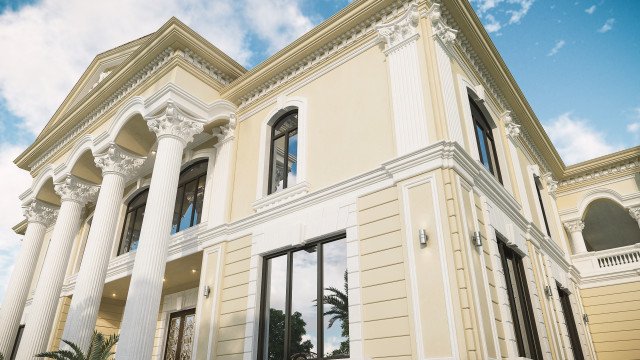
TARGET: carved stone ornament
(226,132)
(574,226)
(444,32)
(635,212)
(173,122)
(73,189)
(552,185)
(118,161)
(513,129)
(40,212)
(400,31)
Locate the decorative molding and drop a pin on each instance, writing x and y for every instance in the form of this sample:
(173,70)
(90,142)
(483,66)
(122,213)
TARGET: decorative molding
(574,226)
(512,129)
(400,31)
(115,160)
(635,212)
(280,197)
(346,39)
(204,66)
(174,122)
(441,30)
(596,174)
(73,189)
(226,132)
(39,212)
(552,185)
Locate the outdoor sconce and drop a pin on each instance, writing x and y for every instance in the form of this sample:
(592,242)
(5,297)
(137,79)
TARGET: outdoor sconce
(547,291)
(206,291)
(585,317)
(476,239)
(422,236)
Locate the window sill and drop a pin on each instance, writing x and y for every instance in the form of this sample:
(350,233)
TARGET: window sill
(281,197)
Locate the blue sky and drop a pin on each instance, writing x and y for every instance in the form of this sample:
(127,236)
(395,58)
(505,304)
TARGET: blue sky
(574,60)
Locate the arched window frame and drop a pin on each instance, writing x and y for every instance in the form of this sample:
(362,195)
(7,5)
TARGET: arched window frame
(286,134)
(180,199)
(144,192)
(282,105)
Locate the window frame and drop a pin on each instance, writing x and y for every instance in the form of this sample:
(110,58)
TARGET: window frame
(16,342)
(537,183)
(289,282)
(182,314)
(272,141)
(129,210)
(572,329)
(479,120)
(524,300)
(183,185)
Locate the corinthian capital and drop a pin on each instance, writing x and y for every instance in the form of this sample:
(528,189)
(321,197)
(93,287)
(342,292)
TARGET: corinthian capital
(117,161)
(226,132)
(39,212)
(552,185)
(174,122)
(401,30)
(74,189)
(574,226)
(441,30)
(635,212)
(513,129)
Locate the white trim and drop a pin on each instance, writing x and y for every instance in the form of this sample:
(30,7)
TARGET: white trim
(413,276)
(215,291)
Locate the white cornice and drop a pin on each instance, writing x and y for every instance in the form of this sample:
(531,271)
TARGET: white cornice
(602,173)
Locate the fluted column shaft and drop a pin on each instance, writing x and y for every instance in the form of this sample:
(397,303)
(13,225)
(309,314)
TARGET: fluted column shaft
(40,217)
(577,240)
(174,131)
(87,295)
(43,308)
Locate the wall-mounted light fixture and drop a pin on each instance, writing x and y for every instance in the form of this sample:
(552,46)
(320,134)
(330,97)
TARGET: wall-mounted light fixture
(206,291)
(585,317)
(547,291)
(476,238)
(422,235)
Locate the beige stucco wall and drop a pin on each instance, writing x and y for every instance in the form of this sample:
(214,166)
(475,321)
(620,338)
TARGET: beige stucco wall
(109,316)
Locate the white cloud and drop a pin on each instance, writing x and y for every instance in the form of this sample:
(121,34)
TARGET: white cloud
(13,184)
(493,12)
(590,10)
(53,41)
(492,25)
(608,25)
(517,15)
(559,45)
(634,127)
(576,140)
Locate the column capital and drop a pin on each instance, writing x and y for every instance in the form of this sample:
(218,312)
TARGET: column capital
(39,212)
(441,30)
(74,189)
(225,133)
(117,161)
(174,122)
(512,129)
(574,225)
(635,212)
(552,185)
(401,30)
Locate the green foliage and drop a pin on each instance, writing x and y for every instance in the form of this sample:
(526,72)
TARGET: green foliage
(100,349)
(276,335)
(339,310)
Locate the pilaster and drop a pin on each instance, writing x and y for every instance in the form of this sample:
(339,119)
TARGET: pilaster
(221,173)
(575,228)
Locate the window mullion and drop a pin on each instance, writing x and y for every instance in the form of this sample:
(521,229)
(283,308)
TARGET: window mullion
(195,200)
(285,160)
(287,318)
(180,207)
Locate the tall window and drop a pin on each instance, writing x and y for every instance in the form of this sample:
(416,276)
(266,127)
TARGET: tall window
(284,152)
(16,344)
(305,303)
(133,223)
(188,208)
(520,303)
(180,335)
(484,139)
(536,180)
(571,324)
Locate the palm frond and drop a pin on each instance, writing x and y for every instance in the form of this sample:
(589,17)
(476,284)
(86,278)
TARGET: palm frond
(59,355)
(78,353)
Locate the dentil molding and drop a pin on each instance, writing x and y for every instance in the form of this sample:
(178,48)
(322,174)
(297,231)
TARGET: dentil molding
(115,160)
(74,189)
(39,212)
(174,122)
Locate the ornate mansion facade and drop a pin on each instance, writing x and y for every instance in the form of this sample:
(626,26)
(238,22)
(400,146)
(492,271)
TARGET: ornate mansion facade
(378,189)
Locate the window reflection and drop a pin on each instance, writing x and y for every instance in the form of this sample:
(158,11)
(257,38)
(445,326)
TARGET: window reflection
(484,139)
(284,153)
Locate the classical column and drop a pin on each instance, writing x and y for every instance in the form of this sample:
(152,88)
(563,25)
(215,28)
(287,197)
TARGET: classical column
(39,216)
(174,130)
(116,166)
(407,94)
(635,213)
(74,194)
(221,173)
(577,241)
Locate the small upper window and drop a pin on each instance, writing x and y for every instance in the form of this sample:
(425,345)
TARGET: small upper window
(284,152)
(133,223)
(536,180)
(484,138)
(188,208)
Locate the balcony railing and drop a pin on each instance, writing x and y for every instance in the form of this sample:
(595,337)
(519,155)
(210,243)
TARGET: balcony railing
(609,261)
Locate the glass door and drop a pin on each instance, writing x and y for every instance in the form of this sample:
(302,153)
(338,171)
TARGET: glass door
(180,335)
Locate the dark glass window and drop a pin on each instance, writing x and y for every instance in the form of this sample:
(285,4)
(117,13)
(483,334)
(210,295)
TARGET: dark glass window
(179,344)
(16,343)
(294,324)
(571,324)
(520,303)
(283,166)
(188,207)
(536,180)
(484,138)
(187,210)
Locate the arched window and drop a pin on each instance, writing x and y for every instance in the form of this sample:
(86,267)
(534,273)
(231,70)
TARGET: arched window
(188,208)
(284,152)
(484,138)
(133,223)
(608,225)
